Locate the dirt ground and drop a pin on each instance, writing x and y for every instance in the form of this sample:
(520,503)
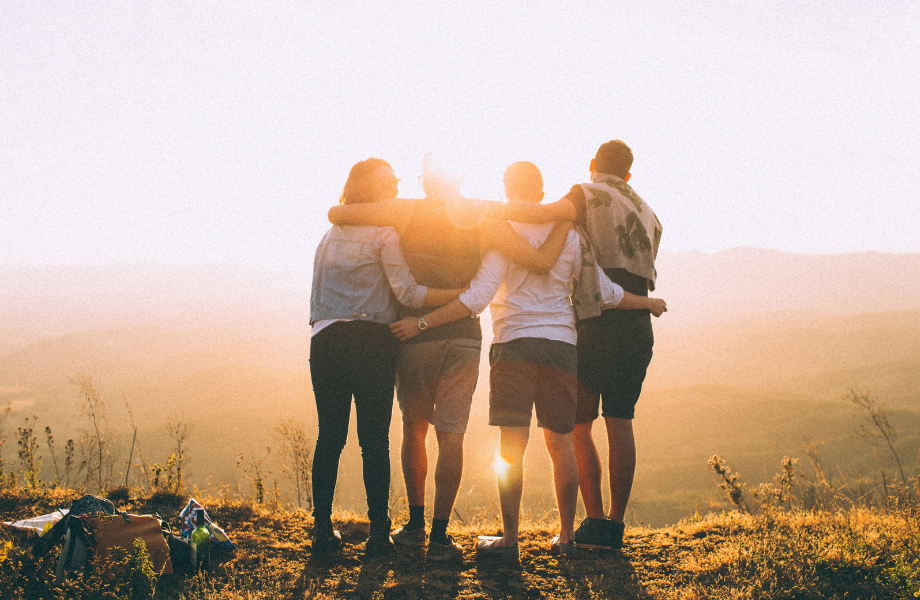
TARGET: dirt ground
(646,568)
(273,560)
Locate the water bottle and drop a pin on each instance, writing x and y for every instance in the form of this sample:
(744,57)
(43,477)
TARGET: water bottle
(201,543)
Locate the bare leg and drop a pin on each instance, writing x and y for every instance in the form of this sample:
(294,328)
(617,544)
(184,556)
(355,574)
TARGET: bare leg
(589,470)
(511,483)
(447,473)
(622,445)
(561,449)
(415,460)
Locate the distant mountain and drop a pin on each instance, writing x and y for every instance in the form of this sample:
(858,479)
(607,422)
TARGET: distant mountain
(60,299)
(744,281)
(698,287)
(756,352)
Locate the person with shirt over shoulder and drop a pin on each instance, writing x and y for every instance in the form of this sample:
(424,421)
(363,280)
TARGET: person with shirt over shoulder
(614,347)
(533,359)
(443,237)
(360,277)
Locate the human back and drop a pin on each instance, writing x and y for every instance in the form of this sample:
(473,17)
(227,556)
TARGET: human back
(442,246)
(355,267)
(530,304)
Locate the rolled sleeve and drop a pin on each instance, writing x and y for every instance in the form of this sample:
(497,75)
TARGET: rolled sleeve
(404,286)
(611,293)
(485,283)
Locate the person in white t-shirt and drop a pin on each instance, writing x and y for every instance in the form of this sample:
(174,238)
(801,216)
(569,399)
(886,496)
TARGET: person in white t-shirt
(533,361)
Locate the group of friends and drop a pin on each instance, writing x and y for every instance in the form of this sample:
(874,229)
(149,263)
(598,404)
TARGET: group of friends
(397,289)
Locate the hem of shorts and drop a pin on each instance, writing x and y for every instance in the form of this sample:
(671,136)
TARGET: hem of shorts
(448,430)
(494,424)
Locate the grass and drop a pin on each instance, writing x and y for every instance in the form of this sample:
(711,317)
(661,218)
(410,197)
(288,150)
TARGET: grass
(778,553)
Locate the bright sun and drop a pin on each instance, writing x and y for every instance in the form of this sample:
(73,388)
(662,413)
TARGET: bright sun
(500,465)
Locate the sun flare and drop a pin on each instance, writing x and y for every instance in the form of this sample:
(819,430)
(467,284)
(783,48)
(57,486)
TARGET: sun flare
(500,465)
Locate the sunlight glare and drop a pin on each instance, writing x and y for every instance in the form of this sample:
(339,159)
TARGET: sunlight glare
(500,465)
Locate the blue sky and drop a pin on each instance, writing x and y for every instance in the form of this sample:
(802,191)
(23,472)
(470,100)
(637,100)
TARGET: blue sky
(197,132)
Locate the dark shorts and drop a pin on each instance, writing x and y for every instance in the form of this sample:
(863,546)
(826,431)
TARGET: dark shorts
(614,351)
(533,372)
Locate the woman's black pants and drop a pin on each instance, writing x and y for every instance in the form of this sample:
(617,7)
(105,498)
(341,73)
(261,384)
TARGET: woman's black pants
(353,358)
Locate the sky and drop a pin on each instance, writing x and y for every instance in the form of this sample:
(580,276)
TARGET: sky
(194,132)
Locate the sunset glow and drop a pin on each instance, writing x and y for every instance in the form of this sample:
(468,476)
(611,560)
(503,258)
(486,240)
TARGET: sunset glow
(166,170)
(185,133)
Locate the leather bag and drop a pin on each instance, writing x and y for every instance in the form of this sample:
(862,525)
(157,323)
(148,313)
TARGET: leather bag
(107,533)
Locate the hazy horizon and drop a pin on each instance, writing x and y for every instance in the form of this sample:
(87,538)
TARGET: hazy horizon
(193,133)
(756,352)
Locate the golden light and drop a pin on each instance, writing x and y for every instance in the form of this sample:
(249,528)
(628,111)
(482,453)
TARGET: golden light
(500,465)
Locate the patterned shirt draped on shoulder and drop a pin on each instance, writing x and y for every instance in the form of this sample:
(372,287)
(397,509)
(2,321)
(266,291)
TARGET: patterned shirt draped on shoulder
(624,229)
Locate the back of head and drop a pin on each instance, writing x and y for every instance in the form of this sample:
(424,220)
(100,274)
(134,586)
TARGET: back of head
(439,177)
(360,180)
(523,182)
(613,158)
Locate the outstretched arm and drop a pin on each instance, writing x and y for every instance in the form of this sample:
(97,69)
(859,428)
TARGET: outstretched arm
(473,301)
(438,297)
(407,328)
(614,296)
(528,212)
(501,236)
(395,212)
(656,306)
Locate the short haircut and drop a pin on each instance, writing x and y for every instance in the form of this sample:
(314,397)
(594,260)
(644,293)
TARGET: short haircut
(359,177)
(613,158)
(523,179)
(441,173)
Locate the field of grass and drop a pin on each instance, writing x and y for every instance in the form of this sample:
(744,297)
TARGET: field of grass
(775,552)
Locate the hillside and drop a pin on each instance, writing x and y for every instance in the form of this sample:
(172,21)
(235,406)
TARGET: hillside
(227,349)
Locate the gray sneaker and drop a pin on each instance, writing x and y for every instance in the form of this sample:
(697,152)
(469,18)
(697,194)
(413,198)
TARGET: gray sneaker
(409,538)
(486,548)
(594,534)
(439,552)
(566,549)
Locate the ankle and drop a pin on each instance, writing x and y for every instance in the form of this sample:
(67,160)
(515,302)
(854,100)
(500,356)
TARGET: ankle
(439,531)
(416,518)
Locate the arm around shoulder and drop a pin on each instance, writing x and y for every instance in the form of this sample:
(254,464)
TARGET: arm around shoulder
(501,236)
(529,212)
(394,212)
(408,328)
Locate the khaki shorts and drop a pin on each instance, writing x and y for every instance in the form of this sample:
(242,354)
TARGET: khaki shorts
(435,381)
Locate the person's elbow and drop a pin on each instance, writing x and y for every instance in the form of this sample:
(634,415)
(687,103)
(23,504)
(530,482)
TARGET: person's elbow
(335,215)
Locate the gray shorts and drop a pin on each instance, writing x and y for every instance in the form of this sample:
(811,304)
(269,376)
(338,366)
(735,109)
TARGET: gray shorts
(435,381)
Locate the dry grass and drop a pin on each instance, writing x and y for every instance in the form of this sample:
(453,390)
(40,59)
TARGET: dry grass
(855,554)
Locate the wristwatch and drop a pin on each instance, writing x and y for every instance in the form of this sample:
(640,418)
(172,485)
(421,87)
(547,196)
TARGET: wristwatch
(422,323)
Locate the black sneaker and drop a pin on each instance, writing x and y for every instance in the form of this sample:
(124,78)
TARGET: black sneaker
(443,551)
(616,535)
(379,540)
(595,534)
(325,538)
(410,538)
